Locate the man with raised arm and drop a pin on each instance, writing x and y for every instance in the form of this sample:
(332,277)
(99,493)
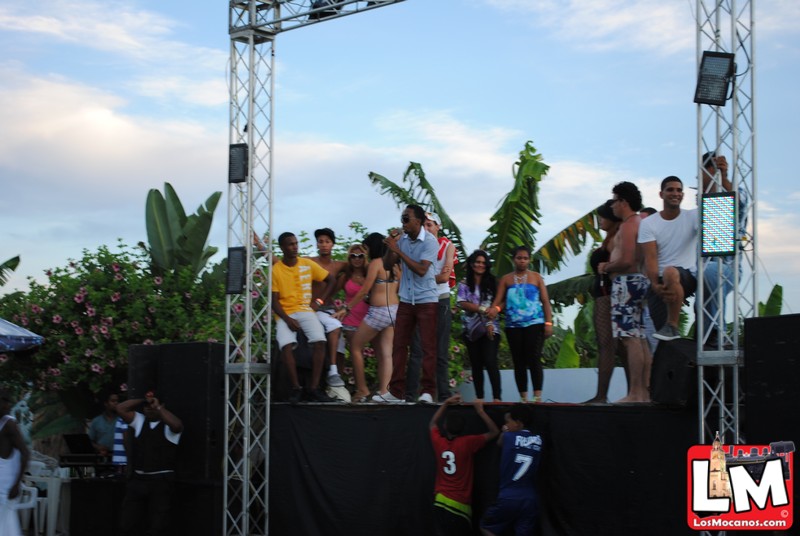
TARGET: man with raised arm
(517,506)
(628,291)
(416,249)
(455,455)
(155,434)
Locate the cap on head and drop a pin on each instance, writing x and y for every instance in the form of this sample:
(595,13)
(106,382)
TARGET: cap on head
(648,210)
(708,159)
(606,212)
(432,216)
(325,232)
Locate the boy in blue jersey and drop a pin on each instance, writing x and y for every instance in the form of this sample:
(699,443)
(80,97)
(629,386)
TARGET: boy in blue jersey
(517,503)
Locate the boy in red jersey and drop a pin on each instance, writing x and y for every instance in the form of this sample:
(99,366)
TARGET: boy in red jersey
(454,464)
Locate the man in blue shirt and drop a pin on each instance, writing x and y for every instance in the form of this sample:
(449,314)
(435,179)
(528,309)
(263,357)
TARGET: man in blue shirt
(718,271)
(416,249)
(517,503)
(101,429)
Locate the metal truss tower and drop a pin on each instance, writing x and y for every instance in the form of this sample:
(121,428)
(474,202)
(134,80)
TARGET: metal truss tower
(730,130)
(253,26)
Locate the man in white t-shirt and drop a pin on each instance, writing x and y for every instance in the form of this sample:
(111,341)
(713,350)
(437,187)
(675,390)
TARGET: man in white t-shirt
(669,245)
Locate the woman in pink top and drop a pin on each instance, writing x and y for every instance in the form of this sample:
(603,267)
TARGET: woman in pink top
(354,275)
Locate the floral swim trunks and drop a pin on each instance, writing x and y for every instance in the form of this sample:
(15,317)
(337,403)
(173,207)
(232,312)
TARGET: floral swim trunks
(628,299)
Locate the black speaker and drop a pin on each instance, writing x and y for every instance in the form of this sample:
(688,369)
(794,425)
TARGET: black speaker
(772,366)
(142,369)
(95,506)
(673,378)
(189,378)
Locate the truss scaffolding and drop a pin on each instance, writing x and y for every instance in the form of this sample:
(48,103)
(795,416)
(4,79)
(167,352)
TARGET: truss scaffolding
(253,26)
(730,131)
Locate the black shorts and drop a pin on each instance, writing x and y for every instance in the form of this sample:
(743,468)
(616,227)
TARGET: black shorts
(658,309)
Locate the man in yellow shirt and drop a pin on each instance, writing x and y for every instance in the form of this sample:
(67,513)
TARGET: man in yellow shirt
(295,309)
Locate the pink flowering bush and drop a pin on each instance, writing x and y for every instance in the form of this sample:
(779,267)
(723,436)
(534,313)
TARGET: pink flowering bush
(91,310)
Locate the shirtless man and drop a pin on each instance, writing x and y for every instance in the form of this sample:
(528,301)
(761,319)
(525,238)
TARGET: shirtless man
(629,291)
(326,239)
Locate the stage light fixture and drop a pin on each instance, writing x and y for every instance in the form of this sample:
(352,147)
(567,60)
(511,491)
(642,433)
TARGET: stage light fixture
(718,224)
(237,163)
(234,280)
(713,81)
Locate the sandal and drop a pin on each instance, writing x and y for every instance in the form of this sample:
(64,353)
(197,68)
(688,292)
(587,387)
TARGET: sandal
(355,399)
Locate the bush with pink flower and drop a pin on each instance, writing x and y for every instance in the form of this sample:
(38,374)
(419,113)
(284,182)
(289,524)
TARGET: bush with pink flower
(94,308)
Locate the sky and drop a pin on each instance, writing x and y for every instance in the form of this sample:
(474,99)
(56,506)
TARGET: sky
(102,101)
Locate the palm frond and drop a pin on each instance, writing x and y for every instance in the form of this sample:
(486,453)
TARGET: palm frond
(420,192)
(576,289)
(569,242)
(6,268)
(513,222)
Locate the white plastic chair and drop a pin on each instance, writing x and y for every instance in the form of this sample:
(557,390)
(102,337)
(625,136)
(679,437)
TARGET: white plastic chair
(27,500)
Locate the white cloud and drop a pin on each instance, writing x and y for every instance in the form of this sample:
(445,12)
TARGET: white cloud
(651,25)
(82,129)
(665,28)
(142,40)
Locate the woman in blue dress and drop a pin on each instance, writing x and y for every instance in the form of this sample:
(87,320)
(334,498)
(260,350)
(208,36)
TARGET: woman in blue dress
(522,294)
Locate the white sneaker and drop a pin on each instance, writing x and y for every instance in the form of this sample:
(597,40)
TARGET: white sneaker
(334,380)
(425,398)
(387,398)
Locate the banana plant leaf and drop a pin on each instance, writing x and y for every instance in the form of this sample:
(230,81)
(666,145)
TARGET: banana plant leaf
(6,268)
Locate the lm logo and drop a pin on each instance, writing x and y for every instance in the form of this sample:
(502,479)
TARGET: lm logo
(740,486)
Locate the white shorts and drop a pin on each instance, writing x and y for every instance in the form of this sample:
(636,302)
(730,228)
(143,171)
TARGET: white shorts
(328,322)
(310,325)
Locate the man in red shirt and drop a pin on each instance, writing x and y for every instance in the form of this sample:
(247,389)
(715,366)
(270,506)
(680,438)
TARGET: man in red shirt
(454,464)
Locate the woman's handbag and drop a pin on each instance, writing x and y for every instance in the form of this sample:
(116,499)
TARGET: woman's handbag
(474,327)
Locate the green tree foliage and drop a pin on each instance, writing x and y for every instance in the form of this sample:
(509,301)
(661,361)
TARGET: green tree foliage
(774,304)
(175,239)
(90,311)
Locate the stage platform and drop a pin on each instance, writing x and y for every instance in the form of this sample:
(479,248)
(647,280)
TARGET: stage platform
(368,470)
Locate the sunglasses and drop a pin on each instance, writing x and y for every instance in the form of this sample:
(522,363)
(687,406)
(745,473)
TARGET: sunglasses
(405,218)
(356,255)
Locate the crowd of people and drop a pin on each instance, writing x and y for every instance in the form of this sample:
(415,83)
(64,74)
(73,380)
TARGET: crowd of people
(397,295)
(644,270)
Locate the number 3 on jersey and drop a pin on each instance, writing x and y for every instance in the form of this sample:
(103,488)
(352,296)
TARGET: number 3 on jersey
(449,466)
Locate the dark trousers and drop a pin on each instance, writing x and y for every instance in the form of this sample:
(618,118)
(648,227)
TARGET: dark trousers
(483,356)
(408,318)
(146,507)
(444,321)
(526,346)
(450,524)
